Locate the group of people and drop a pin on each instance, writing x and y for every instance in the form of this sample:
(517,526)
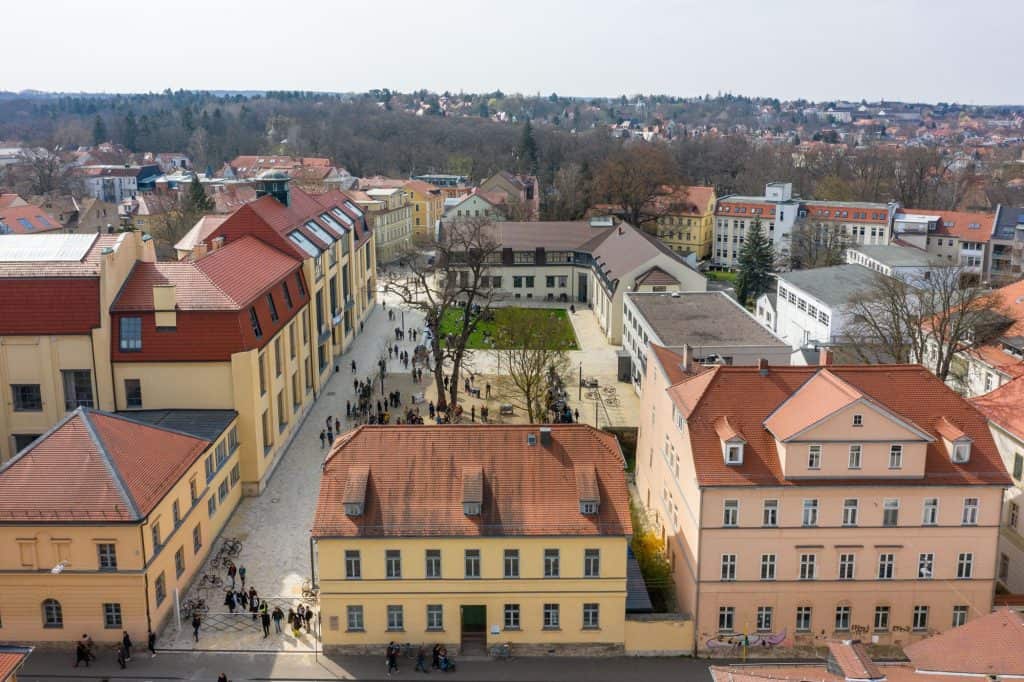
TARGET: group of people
(439,659)
(85,649)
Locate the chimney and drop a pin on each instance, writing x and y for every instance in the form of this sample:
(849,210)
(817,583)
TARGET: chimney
(545,436)
(164,306)
(762,367)
(216,243)
(199,250)
(687,364)
(825,357)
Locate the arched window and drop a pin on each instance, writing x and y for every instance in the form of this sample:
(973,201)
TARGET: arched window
(53,616)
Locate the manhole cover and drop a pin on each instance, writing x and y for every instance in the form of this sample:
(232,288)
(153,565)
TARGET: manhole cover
(275,500)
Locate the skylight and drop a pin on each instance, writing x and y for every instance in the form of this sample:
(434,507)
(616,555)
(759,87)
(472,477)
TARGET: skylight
(320,233)
(332,223)
(303,243)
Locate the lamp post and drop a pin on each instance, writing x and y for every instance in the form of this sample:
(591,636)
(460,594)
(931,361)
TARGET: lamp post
(581,382)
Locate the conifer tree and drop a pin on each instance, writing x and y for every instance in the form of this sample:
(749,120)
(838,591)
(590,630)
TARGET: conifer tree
(757,259)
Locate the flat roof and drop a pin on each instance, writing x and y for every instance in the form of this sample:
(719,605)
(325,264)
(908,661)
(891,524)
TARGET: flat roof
(833,285)
(896,256)
(701,318)
(205,424)
(35,248)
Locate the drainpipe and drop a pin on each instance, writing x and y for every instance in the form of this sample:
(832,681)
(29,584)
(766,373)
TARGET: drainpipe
(145,576)
(312,562)
(696,601)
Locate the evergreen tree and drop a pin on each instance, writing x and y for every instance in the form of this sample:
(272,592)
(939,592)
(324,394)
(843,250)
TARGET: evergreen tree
(99,130)
(131,131)
(196,200)
(757,259)
(527,151)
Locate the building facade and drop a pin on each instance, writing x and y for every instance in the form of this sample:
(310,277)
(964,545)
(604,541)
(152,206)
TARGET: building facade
(390,215)
(812,307)
(521,194)
(811,503)
(427,208)
(686,220)
(949,237)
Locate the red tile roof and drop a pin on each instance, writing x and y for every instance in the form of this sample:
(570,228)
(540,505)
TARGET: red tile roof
(1003,406)
(671,362)
(655,277)
(695,200)
(966,225)
(1010,303)
(117,470)
(11,660)
(992,644)
(414,487)
(8,200)
(853,659)
(910,392)
(27,220)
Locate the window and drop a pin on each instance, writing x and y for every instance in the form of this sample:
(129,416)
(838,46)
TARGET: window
(920,618)
(813,456)
(1012,515)
(472,563)
(197,539)
(591,616)
(931,511)
(133,393)
(211,505)
(511,616)
(223,490)
(27,397)
(961,452)
(273,308)
(155,530)
(726,618)
(435,617)
(236,475)
(393,563)
(591,563)
(278,357)
(731,516)
(299,282)
(803,619)
(770,513)
(767,567)
(728,567)
(176,513)
(396,617)
(895,456)
(1018,466)
(850,509)
(970,513)
(881,618)
(130,334)
(354,618)
(890,513)
(847,564)
(810,517)
(262,362)
(112,616)
(287,296)
(160,589)
(511,563)
(734,453)
(965,565)
(550,563)
(886,565)
(926,566)
(855,452)
(179,562)
(77,388)
(551,617)
(1004,567)
(959,615)
(808,564)
(764,618)
(842,618)
(254,320)
(858,420)
(353,564)
(107,552)
(53,615)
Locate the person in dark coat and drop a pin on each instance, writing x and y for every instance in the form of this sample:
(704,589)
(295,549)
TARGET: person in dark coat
(81,654)
(196,622)
(126,642)
(151,642)
(265,621)
(229,601)
(278,616)
(308,617)
(122,659)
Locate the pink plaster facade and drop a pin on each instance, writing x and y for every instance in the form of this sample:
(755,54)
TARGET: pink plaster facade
(760,551)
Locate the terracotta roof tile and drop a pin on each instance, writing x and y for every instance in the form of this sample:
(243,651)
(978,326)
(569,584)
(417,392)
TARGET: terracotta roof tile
(27,220)
(992,644)
(823,394)
(969,226)
(853,659)
(415,485)
(1003,406)
(671,362)
(11,659)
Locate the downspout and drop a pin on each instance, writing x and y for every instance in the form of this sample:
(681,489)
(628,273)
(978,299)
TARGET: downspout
(696,600)
(145,576)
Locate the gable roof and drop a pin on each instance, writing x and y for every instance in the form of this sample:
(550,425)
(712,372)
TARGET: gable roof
(656,276)
(11,660)
(27,219)
(992,644)
(853,659)
(54,255)
(121,470)
(670,361)
(415,485)
(1003,407)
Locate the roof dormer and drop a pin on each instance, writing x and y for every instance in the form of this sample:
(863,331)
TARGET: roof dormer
(958,443)
(733,441)
(587,490)
(472,490)
(354,497)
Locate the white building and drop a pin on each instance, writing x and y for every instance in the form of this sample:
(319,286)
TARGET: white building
(812,306)
(112,184)
(705,327)
(892,260)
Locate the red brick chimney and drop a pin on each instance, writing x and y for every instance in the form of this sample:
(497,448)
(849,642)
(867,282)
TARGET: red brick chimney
(825,357)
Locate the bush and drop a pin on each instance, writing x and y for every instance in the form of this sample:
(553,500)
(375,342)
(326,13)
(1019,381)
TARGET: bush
(649,551)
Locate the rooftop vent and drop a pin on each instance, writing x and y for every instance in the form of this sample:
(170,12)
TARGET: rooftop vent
(531,438)
(545,436)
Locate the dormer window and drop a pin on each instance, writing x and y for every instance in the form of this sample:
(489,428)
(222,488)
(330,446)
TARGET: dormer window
(471,508)
(353,509)
(589,507)
(961,452)
(858,420)
(734,453)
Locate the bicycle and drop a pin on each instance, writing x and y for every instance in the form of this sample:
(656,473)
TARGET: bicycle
(211,580)
(501,651)
(232,546)
(310,593)
(228,564)
(197,606)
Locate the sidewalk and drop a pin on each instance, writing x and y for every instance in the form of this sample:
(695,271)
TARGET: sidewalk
(49,665)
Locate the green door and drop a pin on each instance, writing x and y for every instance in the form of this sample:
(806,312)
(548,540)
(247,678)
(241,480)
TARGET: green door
(474,619)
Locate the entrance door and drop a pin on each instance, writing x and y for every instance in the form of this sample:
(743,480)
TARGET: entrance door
(581,287)
(474,630)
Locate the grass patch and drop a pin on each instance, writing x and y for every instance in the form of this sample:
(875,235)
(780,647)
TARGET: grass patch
(722,276)
(487,333)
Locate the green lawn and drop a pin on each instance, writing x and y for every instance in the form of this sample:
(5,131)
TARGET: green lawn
(452,322)
(722,275)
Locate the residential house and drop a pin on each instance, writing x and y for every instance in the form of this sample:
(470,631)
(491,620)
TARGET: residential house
(594,263)
(10,200)
(685,219)
(950,237)
(521,192)
(478,204)
(820,502)
(434,533)
(1007,244)
(313,174)
(106,546)
(813,306)
(705,327)
(115,183)
(427,208)
(27,219)
(390,215)
(86,215)
(55,327)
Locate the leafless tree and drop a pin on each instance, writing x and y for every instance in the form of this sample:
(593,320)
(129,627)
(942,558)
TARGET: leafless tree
(39,172)
(632,177)
(530,350)
(927,318)
(453,282)
(815,247)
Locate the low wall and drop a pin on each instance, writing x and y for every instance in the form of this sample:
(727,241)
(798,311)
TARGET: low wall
(661,634)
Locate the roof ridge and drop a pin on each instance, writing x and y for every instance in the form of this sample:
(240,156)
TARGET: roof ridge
(112,469)
(32,446)
(123,417)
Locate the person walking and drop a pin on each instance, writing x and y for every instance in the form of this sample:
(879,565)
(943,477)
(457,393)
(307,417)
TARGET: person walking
(122,658)
(81,654)
(196,622)
(421,659)
(229,601)
(576,414)
(337,426)
(323,438)
(308,617)
(487,390)
(435,657)
(353,366)
(151,643)
(241,575)
(391,658)
(472,413)
(254,602)
(265,621)
(232,570)
(277,615)
(330,436)
(126,641)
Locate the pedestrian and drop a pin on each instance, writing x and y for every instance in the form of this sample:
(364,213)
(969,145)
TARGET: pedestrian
(241,575)
(231,573)
(81,654)
(353,366)
(430,409)
(487,390)
(265,621)
(576,414)
(297,626)
(446,382)
(242,599)
(300,615)
(222,677)
(465,384)
(435,657)
(483,414)
(380,408)
(360,327)
(90,648)
(348,409)
(328,422)
(391,352)
(421,659)
(337,426)
(291,617)
(355,386)
(323,442)
(330,436)
(277,615)
(392,658)
(254,602)
(472,413)
(196,622)
(308,617)
(122,658)
(151,643)
(229,601)
(127,642)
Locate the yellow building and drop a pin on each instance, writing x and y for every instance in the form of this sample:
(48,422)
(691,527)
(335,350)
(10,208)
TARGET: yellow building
(108,546)
(427,207)
(55,329)
(390,214)
(471,536)
(11,660)
(686,219)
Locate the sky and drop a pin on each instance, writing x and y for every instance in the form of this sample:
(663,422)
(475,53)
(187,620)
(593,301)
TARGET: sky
(915,50)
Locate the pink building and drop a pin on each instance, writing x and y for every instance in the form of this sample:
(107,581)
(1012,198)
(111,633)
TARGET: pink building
(813,503)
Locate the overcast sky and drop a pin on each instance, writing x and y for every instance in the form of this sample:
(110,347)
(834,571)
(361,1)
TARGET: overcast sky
(929,50)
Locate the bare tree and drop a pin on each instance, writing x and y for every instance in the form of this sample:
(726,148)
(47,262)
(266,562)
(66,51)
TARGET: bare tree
(815,247)
(632,177)
(42,172)
(531,349)
(454,282)
(927,318)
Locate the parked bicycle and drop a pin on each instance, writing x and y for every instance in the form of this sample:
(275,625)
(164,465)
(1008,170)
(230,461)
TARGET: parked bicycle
(501,651)
(211,580)
(194,606)
(232,546)
(410,651)
(310,592)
